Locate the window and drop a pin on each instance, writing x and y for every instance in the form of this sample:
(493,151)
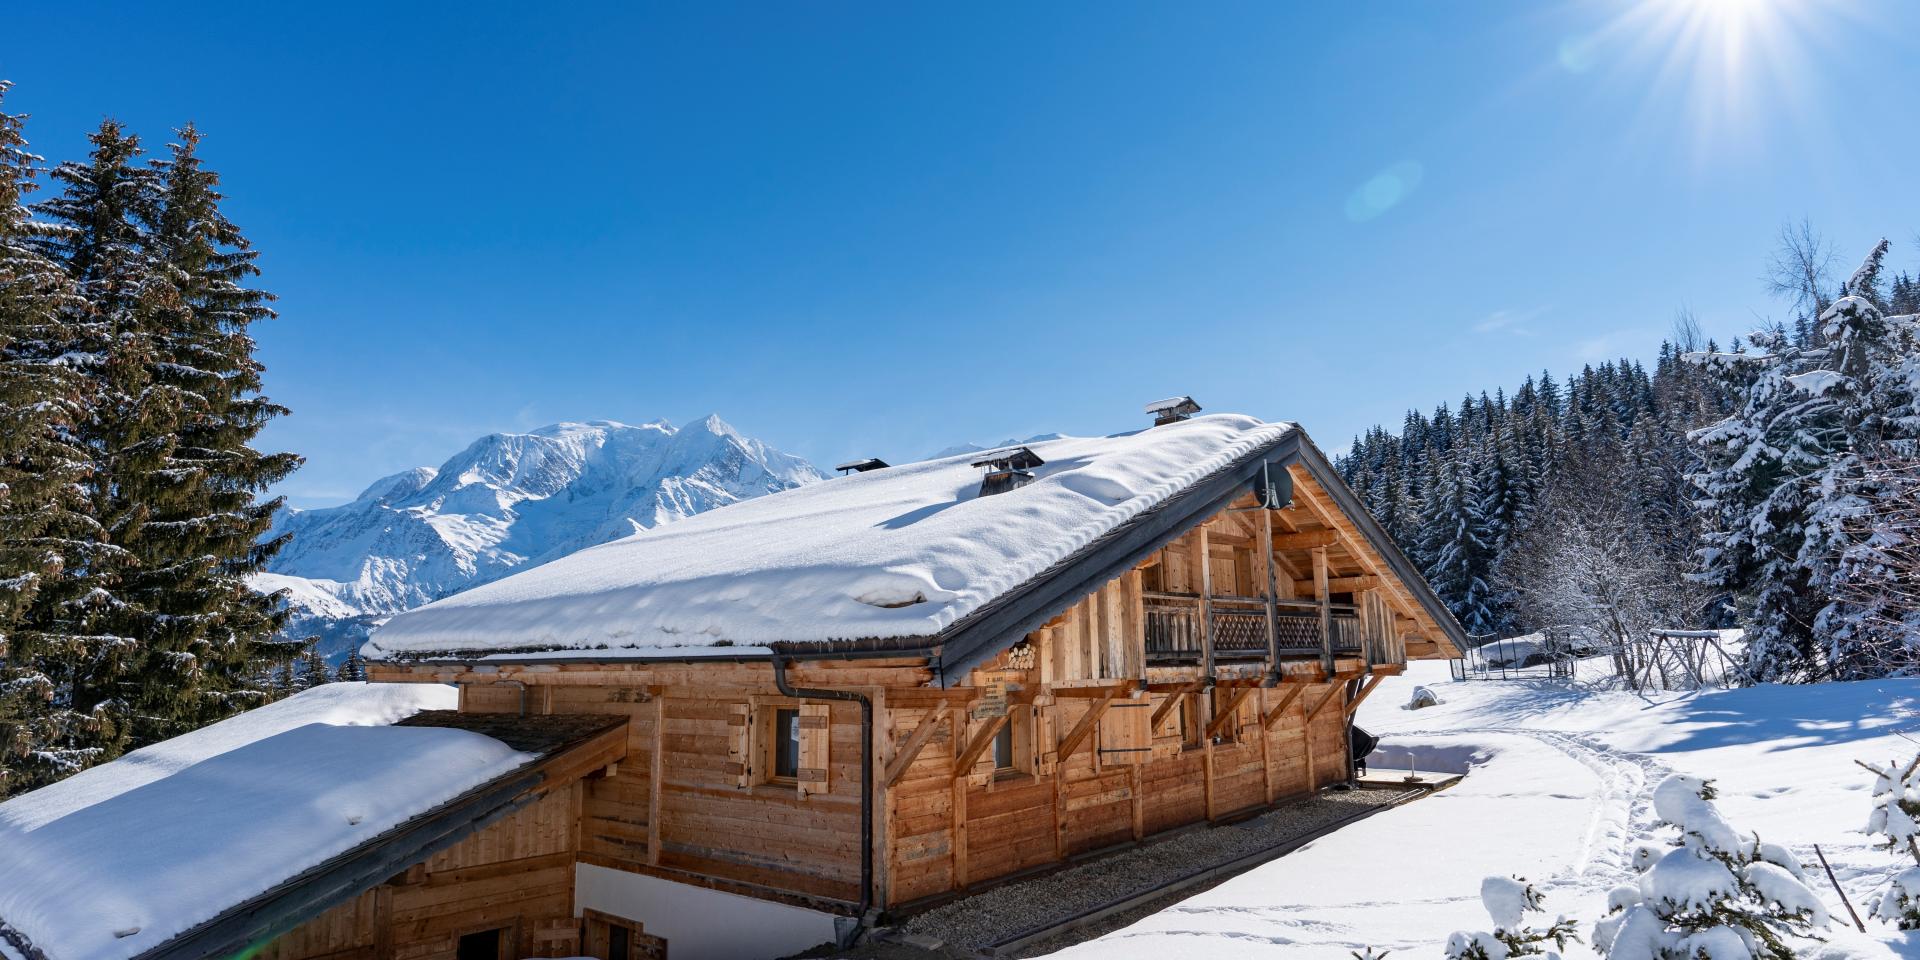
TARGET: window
(786,744)
(1230,730)
(781,742)
(484,945)
(1003,761)
(616,938)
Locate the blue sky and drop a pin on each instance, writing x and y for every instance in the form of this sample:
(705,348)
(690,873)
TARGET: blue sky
(879,229)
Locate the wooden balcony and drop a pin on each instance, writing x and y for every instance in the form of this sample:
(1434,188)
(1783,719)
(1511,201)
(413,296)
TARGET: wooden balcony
(1176,633)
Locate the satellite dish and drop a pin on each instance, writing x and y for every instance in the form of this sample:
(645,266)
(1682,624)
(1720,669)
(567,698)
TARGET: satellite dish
(1273,488)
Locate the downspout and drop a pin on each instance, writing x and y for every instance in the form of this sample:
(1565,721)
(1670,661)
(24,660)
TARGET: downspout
(866,777)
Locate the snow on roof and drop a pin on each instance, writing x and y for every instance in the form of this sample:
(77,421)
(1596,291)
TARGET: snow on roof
(128,854)
(896,553)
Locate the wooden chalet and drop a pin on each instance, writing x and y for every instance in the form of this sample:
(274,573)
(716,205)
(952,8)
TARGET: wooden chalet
(1115,637)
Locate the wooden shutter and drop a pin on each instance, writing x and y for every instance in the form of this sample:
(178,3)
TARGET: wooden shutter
(814,734)
(1126,731)
(739,743)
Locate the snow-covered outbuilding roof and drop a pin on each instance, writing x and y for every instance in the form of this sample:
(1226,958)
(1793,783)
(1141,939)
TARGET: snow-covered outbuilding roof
(905,556)
(133,857)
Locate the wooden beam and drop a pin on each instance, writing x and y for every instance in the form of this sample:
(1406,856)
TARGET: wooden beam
(1173,700)
(1226,713)
(1293,691)
(1373,681)
(1350,584)
(916,741)
(981,741)
(1305,539)
(1333,687)
(1307,494)
(1092,693)
(1082,730)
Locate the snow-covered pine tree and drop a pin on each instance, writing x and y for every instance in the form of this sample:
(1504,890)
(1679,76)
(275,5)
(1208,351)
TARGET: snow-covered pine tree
(1759,470)
(210,539)
(313,669)
(84,620)
(1873,373)
(45,530)
(1718,894)
(1896,820)
(1508,901)
(352,669)
(1788,487)
(1454,545)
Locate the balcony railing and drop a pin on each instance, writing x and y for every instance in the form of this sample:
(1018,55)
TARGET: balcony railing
(1175,631)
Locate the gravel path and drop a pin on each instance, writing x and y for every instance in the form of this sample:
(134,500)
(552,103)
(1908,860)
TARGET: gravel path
(964,926)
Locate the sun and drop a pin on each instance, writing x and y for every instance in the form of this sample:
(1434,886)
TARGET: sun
(1726,64)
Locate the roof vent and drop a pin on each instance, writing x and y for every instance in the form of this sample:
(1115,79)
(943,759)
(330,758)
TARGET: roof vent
(1172,410)
(862,466)
(1008,469)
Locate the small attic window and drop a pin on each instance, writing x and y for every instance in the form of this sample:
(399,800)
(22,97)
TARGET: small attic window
(1172,410)
(862,466)
(1008,469)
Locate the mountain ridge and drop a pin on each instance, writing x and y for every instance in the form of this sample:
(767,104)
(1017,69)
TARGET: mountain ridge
(506,502)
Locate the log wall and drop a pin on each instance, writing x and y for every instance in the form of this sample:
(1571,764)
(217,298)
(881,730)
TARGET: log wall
(516,873)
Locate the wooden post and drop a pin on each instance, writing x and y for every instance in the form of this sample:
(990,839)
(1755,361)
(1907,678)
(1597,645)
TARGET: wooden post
(1205,559)
(1139,802)
(1060,810)
(656,772)
(1326,608)
(1266,750)
(959,833)
(1273,615)
(1206,747)
(1333,687)
(882,799)
(1137,625)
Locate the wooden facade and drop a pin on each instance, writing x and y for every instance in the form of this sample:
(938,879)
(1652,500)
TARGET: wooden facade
(1214,678)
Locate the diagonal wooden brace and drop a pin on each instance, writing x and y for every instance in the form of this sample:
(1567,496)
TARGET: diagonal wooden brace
(981,741)
(1227,712)
(916,741)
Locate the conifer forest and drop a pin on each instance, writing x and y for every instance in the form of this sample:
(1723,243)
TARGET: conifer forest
(1769,483)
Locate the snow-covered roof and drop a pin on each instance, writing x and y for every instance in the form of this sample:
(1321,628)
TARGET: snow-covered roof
(128,854)
(902,552)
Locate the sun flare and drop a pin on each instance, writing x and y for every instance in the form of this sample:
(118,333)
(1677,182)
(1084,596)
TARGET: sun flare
(1721,62)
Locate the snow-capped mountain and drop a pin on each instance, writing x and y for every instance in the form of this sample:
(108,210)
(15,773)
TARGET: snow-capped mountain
(506,502)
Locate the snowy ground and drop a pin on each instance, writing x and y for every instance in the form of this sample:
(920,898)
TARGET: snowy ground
(1558,791)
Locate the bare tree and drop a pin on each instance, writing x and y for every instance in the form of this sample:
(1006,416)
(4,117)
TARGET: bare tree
(1589,563)
(1687,335)
(1800,268)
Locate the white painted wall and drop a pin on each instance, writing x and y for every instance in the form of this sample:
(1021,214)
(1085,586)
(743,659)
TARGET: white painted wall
(697,923)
